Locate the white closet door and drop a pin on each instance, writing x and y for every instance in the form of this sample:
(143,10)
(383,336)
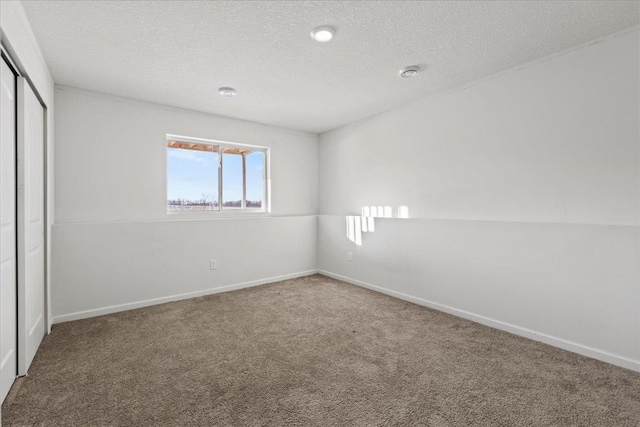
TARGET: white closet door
(8,301)
(31,249)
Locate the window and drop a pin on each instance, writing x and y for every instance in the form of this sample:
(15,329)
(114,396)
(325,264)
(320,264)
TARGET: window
(212,176)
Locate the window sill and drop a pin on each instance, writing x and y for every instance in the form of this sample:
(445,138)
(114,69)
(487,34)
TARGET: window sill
(225,213)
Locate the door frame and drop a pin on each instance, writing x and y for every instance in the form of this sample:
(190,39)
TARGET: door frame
(21,320)
(13,69)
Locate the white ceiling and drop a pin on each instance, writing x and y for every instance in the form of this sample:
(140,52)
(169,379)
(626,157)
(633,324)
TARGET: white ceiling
(179,53)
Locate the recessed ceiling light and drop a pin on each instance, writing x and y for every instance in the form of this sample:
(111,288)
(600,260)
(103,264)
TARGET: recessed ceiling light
(323,33)
(410,71)
(227,92)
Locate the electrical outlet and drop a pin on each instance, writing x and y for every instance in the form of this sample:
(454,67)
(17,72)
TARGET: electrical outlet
(213,264)
(350,256)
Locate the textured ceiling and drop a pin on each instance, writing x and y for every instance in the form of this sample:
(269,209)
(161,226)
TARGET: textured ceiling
(179,53)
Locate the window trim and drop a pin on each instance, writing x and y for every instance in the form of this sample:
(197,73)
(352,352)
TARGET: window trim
(222,145)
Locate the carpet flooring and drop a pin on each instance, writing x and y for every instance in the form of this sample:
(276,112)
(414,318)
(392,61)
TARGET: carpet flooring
(310,352)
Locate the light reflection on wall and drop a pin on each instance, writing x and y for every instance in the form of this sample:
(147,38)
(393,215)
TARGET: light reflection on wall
(356,225)
(378,211)
(351,234)
(365,223)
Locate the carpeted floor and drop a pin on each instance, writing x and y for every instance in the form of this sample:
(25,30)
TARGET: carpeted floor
(311,352)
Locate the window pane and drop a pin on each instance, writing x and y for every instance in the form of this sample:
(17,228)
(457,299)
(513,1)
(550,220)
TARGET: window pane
(255,174)
(192,178)
(231,180)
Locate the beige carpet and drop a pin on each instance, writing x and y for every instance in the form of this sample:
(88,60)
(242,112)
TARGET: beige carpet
(310,352)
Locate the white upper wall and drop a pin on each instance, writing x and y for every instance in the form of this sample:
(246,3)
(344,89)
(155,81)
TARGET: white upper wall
(111,158)
(556,141)
(18,38)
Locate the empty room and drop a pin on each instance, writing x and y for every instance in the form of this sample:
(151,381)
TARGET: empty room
(320,213)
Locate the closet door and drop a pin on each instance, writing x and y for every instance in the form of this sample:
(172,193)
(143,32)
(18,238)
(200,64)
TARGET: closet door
(8,279)
(31,247)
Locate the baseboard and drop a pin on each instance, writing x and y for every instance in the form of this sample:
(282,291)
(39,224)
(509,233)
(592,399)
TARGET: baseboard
(154,301)
(583,350)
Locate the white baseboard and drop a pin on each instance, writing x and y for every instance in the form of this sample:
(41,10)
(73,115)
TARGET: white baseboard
(584,350)
(154,301)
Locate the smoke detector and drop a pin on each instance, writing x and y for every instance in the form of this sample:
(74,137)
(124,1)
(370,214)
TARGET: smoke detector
(227,92)
(410,71)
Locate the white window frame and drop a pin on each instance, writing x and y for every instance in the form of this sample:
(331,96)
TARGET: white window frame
(229,211)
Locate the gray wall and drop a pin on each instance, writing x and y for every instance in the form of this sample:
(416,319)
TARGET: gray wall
(114,245)
(523,192)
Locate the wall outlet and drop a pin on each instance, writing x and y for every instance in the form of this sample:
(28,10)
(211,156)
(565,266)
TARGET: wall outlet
(350,256)
(213,264)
